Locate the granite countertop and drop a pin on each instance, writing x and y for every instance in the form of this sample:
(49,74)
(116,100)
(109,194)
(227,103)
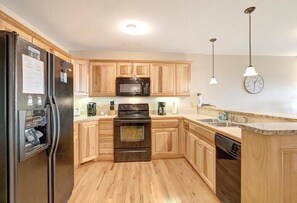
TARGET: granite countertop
(286,128)
(289,128)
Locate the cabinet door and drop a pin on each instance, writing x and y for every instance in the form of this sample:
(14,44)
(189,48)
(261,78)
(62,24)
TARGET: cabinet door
(106,140)
(88,141)
(207,157)
(75,146)
(81,77)
(183,79)
(192,144)
(102,79)
(187,145)
(141,69)
(164,142)
(162,79)
(124,69)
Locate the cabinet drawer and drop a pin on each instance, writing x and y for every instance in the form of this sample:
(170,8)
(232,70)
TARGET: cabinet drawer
(106,143)
(106,151)
(106,125)
(203,132)
(105,133)
(165,123)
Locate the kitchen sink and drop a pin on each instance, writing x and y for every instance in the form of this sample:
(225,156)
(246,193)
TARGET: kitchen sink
(223,124)
(209,120)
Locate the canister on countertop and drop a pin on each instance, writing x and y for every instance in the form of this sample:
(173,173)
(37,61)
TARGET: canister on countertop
(174,108)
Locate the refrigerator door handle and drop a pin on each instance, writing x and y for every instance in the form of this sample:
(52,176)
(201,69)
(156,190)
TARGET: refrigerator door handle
(54,123)
(58,125)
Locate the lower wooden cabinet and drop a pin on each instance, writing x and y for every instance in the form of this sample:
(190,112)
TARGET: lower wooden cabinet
(165,138)
(201,155)
(164,142)
(105,151)
(206,163)
(88,141)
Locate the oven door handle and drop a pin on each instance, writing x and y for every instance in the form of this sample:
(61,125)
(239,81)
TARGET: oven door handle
(132,121)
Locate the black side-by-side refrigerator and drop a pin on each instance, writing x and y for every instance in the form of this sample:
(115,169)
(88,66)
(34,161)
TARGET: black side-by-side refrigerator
(36,123)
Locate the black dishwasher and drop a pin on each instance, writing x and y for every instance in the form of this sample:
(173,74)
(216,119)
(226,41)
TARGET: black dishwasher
(228,166)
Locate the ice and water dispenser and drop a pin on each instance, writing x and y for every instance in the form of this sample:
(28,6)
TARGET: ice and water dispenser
(33,132)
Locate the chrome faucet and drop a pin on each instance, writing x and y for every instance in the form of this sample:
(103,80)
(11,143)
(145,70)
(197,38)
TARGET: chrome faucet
(223,116)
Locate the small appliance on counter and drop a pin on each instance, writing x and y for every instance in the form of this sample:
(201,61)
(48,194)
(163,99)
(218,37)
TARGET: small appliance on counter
(161,108)
(111,108)
(91,106)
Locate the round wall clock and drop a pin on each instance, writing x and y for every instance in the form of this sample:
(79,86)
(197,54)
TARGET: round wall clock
(254,84)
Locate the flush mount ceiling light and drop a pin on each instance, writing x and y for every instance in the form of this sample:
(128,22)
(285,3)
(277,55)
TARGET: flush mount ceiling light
(250,70)
(213,80)
(133,27)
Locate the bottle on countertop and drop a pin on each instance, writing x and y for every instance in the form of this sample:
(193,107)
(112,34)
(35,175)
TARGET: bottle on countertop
(174,108)
(199,101)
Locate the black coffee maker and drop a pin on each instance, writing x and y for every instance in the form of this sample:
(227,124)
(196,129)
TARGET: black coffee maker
(161,108)
(91,106)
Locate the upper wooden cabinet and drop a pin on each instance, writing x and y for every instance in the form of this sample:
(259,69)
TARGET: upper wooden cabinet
(23,33)
(183,79)
(102,79)
(80,77)
(9,24)
(141,69)
(126,69)
(162,79)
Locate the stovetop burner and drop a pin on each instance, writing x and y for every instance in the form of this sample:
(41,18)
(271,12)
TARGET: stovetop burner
(133,111)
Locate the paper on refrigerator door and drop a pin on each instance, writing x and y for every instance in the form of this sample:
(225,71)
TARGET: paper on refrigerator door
(33,75)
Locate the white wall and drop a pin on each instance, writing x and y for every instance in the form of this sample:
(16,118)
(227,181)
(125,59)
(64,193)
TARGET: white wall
(279,95)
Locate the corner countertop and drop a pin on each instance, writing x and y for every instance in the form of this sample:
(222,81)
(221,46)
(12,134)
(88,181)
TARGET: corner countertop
(78,119)
(289,128)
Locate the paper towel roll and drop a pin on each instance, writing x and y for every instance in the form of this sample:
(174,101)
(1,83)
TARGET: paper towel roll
(174,108)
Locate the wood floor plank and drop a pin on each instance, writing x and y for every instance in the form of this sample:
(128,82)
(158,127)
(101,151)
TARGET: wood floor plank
(161,181)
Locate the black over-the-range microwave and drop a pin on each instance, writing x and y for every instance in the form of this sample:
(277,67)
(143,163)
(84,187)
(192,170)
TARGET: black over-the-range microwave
(132,86)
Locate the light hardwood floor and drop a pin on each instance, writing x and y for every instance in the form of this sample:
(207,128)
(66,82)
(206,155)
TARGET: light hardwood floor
(158,181)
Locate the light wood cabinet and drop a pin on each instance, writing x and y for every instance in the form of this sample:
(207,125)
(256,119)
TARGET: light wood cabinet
(162,79)
(40,43)
(80,77)
(88,141)
(25,34)
(165,142)
(200,153)
(75,146)
(106,135)
(206,163)
(141,69)
(102,79)
(129,69)
(183,79)
(124,69)
(165,138)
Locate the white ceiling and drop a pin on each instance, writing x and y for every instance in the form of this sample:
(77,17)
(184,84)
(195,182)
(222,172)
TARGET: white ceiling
(180,26)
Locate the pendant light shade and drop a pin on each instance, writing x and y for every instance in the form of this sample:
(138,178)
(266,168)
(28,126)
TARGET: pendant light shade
(250,70)
(213,80)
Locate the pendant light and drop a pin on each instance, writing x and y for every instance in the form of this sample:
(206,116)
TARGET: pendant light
(213,80)
(250,70)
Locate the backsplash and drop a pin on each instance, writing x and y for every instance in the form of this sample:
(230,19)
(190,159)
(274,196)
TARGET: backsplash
(185,104)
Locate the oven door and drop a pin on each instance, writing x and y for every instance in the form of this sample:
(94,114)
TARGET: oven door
(132,134)
(132,86)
